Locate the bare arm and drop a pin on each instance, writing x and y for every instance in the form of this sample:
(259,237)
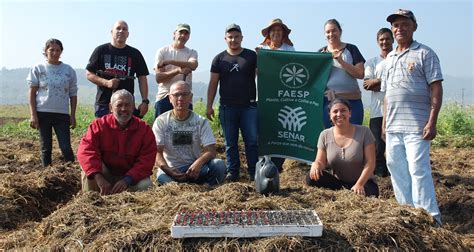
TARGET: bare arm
(101,82)
(211,94)
(208,154)
(192,64)
(143,85)
(184,67)
(384,119)
(356,71)
(318,165)
(368,171)
(429,132)
(163,76)
(372,84)
(32,102)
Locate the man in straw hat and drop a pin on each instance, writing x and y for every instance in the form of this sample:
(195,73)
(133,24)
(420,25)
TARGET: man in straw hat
(173,63)
(276,36)
(412,81)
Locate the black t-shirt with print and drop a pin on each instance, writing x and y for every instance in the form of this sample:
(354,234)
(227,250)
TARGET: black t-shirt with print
(236,77)
(127,61)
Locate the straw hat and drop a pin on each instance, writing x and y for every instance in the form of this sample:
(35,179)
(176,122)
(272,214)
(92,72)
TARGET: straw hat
(276,21)
(286,31)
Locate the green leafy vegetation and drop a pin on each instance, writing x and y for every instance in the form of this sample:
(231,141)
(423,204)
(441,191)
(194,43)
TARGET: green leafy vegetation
(455,124)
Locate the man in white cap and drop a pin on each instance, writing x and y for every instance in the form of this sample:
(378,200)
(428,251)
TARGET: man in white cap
(412,81)
(173,63)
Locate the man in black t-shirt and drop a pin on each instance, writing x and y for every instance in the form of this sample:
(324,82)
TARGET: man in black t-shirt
(113,66)
(234,71)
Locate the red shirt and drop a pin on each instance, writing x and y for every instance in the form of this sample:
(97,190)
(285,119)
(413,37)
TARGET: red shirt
(125,152)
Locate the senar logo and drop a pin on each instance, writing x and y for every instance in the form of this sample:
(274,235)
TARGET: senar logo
(294,75)
(292,120)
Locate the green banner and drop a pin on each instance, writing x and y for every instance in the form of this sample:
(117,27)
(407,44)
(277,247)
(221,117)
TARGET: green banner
(290,102)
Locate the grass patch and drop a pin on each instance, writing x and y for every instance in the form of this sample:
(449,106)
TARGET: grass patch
(455,124)
(15,111)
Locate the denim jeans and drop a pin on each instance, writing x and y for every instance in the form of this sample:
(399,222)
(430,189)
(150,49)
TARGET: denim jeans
(102,110)
(212,173)
(60,122)
(232,119)
(357,112)
(375,125)
(408,160)
(164,105)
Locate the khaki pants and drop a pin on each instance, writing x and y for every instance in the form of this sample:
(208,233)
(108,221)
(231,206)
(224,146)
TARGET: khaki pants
(91,184)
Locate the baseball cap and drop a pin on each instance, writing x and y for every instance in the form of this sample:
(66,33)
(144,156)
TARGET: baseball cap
(233,27)
(402,13)
(181,27)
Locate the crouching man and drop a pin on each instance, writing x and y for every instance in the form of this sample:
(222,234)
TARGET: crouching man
(118,151)
(186,144)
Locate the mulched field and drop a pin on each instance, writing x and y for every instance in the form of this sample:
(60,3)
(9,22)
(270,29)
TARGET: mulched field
(43,208)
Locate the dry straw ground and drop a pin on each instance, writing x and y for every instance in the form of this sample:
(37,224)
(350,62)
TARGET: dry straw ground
(42,208)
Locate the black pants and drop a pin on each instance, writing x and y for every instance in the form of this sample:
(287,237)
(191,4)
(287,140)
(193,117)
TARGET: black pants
(329,181)
(278,163)
(380,162)
(60,122)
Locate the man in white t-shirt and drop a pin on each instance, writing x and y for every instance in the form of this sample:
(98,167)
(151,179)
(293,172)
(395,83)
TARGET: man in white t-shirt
(186,143)
(374,68)
(173,63)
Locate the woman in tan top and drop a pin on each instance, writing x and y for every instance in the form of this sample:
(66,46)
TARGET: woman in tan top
(349,150)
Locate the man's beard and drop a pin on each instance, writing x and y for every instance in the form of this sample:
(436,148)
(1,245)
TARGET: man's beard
(123,118)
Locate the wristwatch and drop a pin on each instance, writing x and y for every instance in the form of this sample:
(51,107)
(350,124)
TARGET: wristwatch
(146,101)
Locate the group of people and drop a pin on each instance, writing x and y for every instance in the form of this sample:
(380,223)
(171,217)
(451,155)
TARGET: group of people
(119,150)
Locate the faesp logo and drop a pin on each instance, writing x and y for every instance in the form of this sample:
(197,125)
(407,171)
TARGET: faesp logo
(294,75)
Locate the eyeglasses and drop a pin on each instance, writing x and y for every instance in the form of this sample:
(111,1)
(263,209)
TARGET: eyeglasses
(184,94)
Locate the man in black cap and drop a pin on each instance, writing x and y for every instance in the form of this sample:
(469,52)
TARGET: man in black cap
(412,81)
(234,69)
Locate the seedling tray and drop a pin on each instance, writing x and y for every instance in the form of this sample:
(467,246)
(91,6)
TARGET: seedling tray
(248,223)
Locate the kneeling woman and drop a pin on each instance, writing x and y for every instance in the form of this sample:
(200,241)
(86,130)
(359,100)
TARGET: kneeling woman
(349,150)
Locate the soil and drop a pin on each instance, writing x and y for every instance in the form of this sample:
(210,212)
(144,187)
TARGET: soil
(39,204)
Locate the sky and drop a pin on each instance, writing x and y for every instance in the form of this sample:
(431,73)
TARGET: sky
(445,26)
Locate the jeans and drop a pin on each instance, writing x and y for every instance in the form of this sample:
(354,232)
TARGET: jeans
(212,173)
(329,181)
(357,112)
(164,105)
(60,122)
(408,160)
(232,119)
(380,162)
(102,110)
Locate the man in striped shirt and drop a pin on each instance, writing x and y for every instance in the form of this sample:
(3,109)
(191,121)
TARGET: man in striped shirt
(412,81)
